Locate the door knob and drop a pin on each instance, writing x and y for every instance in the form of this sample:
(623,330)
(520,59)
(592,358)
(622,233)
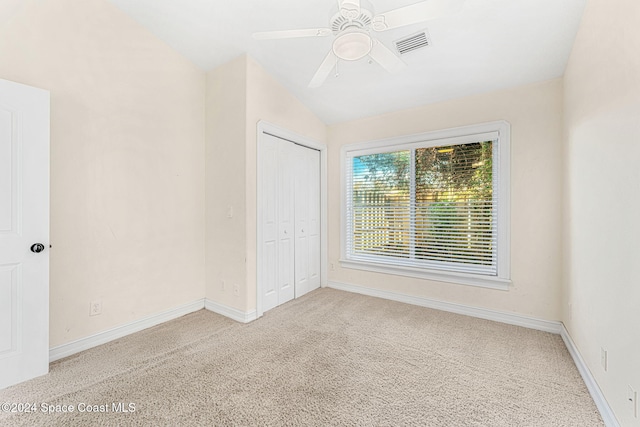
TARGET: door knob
(37,247)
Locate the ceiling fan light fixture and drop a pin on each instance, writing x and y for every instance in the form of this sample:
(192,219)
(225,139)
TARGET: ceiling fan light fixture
(352,45)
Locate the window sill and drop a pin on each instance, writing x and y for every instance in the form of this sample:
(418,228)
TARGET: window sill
(420,273)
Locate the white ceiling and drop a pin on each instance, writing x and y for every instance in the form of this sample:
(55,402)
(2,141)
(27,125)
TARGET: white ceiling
(489,45)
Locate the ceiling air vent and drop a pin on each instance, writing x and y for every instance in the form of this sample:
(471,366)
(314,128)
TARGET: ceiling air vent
(411,43)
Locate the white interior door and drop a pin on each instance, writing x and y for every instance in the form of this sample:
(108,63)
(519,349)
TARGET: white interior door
(24,232)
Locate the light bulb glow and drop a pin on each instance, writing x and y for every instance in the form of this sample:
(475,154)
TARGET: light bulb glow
(352,45)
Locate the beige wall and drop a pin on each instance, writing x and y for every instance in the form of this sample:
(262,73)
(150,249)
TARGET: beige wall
(127,168)
(535,115)
(239,95)
(602,238)
(225,183)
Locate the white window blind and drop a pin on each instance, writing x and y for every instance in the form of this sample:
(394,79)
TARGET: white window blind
(424,205)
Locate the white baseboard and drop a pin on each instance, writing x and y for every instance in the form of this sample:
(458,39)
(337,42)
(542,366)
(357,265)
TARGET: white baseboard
(64,350)
(230,312)
(605,410)
(482,313)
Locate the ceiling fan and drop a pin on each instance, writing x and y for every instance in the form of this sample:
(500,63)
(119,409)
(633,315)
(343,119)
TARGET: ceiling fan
(351,27)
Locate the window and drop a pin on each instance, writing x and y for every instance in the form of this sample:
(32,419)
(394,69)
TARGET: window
(434,205)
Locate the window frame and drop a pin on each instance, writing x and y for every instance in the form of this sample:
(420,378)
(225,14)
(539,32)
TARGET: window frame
(452,136)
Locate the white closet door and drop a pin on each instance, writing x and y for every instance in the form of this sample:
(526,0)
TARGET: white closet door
(302,220)
(307,215)
(269,271)
(313,161)
(286,225)
(290,217)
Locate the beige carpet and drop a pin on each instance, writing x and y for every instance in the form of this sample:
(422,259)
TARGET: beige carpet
(330,358)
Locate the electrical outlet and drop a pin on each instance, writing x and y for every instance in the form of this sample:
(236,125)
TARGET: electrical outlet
(236,289)
(333,267)
(633,401)
(95,308)
(223,285)
(604,359)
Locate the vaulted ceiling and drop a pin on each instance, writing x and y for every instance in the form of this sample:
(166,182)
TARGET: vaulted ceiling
(488,45)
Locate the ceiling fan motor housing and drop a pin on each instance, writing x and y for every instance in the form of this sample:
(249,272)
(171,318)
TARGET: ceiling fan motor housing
(341,23)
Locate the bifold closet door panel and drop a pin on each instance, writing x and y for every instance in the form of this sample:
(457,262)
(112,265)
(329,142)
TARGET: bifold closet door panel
(301,219)
(269,219)
(307,218)
(313,159)
(286,224)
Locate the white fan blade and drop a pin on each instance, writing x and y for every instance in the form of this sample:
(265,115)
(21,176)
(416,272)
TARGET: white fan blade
(419,12)
(291,34)
(350,9)
(386,58)
(325,69)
